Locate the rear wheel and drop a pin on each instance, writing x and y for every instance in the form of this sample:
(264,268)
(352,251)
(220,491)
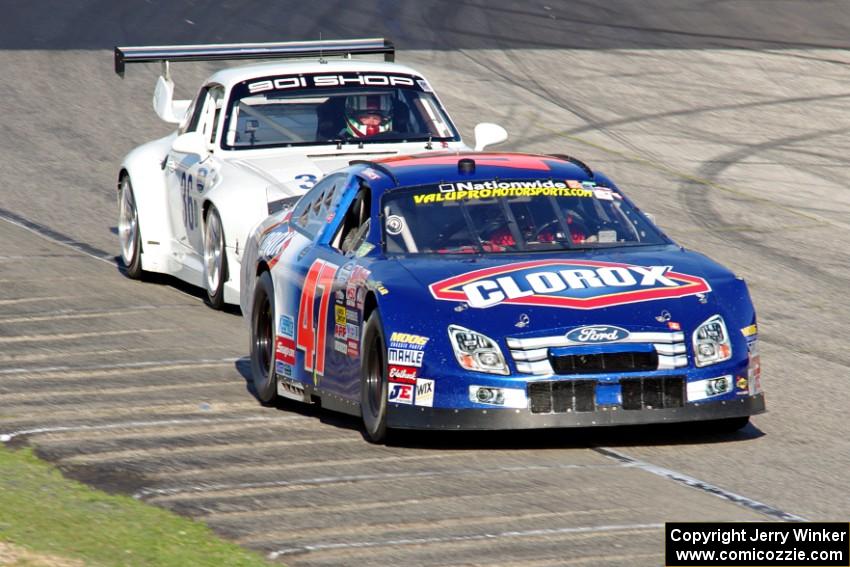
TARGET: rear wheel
(215,259)
(373,381)
(262,340)
(128,229)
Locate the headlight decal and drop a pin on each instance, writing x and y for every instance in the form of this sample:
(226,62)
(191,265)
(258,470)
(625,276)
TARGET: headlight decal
(477,352)
(711,342)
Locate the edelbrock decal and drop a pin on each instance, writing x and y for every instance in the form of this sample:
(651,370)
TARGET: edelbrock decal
(574,284)
(597,334)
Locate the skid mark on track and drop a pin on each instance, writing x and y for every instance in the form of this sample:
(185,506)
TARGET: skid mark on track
(224,471)
(104,393)
(149,454)
(74,336)
(19,300)
(177,428)
(606,559)
(628,529)
(6,437)
(192,491)
(72,415)
(697,484)
(52,355)
(64,314)
(442,524)
(113,371)
(164,364)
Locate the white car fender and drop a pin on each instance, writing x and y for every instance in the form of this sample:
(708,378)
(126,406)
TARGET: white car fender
(144,165)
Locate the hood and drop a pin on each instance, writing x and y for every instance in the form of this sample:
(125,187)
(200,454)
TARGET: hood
(654,288)
(296,170)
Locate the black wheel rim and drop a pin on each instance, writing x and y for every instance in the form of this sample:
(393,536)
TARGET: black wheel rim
(264,338)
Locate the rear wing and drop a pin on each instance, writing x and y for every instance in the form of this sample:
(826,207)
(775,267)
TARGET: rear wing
(233,51)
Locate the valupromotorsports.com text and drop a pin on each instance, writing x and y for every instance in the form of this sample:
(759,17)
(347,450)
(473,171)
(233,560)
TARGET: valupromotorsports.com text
(757,544)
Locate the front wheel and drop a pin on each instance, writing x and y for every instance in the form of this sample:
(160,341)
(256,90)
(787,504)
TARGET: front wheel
(128,229)
(262,340)
(215,259)
(373,380)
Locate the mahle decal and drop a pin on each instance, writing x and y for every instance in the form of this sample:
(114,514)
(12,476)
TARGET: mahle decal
(573,284)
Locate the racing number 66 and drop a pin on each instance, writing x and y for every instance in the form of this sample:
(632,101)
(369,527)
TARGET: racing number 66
(311,336)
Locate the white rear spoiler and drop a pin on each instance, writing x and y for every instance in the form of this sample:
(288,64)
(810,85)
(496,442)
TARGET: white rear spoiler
(174,111)
(234,51)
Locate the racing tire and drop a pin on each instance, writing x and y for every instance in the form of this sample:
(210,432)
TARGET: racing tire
(215,259)
(129,233)
(373,380)
(262,341)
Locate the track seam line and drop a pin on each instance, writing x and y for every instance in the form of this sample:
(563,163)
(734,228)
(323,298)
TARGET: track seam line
(697,484)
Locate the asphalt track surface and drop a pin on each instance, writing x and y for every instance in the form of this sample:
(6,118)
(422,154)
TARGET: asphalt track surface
(727,120)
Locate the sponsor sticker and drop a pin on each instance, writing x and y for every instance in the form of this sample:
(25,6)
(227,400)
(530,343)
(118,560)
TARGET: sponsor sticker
(353,348)
(408,340)
(286,82)
(352,331)
(472,191)
(364,249)
(341,347)
(573,284)
(283,369)
(404,374)
(339,314)
(286,326)
(339,331)
(674,326)
(352,315)
(750,330)
(405,357)
(400,393)
(597,334)
(424,392)
(285,350)
(742,387)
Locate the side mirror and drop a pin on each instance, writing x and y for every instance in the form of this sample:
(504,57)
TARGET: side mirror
(192,143)
(487,134)
(168,109)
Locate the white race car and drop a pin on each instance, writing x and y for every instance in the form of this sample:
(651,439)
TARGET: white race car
(257,136)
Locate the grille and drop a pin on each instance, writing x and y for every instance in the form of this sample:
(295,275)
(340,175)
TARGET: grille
(562,396)
(656,392)
(605,362)
(640,352)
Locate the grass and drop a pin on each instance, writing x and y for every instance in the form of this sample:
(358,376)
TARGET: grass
(45,513)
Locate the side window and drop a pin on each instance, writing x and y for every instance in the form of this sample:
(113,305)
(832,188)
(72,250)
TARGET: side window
(315,208)
(206,111)
(195,111)
(355,225)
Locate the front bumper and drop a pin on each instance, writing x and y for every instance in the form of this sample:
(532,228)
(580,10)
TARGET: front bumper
(415,417)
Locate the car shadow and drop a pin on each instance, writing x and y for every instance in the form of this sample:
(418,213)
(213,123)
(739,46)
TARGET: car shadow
(176,284)
(706,432)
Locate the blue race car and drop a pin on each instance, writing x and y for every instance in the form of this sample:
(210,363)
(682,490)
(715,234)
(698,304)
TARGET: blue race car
(492,291)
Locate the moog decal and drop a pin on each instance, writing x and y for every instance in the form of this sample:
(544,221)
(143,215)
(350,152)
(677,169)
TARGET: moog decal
(573,284)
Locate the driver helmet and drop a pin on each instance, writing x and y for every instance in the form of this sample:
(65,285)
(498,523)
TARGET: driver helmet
(367,115)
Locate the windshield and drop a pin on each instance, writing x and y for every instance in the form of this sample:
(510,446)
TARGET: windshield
(511,216)
(293,110)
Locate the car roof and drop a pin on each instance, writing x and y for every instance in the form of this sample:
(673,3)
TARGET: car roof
(448,167)
(234,75)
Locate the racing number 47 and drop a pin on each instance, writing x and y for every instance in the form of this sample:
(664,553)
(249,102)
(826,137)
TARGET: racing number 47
(312,331)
